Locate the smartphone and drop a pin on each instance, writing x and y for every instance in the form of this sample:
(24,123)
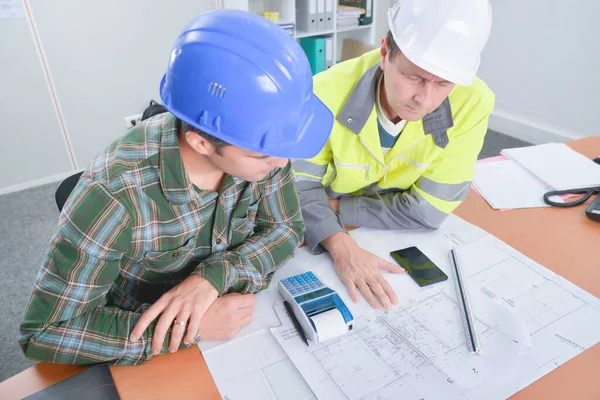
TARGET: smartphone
(418,266)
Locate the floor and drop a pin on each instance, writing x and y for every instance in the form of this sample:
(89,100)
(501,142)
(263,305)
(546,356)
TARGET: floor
(29,220)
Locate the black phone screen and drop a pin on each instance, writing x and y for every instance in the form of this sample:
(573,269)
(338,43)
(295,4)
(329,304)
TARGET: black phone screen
(420,268)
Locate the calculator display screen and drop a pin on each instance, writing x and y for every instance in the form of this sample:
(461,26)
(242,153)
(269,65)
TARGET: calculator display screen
(313,295)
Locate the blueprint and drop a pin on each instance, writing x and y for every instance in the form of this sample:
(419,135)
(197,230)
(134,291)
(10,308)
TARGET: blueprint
(255,367)
(417,351)
(530,321)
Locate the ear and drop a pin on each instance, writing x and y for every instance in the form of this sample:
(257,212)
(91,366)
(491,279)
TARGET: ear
(383,52)
(199,144)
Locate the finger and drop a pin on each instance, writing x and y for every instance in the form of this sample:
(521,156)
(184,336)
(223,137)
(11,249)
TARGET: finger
(368,294)
(177,331)
(161,328)
(377,289)
(388,266)
(351,287)
(246,320)
(388,289)
(146,319)
(247,300)
(193,327)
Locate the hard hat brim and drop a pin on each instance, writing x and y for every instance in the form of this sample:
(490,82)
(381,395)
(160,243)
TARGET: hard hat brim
(315,133)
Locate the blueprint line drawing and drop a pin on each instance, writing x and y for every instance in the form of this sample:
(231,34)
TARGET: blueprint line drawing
(529,319)
(256,368)
(404,351)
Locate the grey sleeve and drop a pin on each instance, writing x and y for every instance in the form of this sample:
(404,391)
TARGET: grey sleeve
(401,210)
(320,221)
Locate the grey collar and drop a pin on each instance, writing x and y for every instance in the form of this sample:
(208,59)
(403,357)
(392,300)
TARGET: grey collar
(360,103)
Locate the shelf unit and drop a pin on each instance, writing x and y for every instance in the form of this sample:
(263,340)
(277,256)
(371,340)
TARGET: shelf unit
(287,13)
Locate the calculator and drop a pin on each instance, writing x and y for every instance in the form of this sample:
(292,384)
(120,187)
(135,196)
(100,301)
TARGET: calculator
(308,297)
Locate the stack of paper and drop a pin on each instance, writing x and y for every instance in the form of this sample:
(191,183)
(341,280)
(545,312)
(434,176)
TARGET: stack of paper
(506,185)
(523,175)
(289,27)
(348,16)
(557,165)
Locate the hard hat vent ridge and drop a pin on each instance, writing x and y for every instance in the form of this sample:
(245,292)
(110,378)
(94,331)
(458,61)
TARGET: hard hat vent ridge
(216,90)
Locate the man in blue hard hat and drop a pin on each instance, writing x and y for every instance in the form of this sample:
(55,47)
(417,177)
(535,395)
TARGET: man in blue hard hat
(171,230)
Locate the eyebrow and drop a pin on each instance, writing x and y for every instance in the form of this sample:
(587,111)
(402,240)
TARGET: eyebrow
(421,77)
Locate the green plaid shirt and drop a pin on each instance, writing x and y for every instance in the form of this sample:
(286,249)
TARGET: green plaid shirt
(133,228)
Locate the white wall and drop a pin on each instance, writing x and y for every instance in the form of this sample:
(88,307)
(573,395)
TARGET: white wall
(381,18)
(32,143)
(104,59)
(543,63)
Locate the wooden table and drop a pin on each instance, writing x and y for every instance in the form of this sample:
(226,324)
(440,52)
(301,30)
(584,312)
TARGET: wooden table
(563,240)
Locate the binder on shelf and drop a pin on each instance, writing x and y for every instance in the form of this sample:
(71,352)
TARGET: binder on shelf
(314,47)
(329,15)
(306,16)
(365,18)
(328,52)
(321,15)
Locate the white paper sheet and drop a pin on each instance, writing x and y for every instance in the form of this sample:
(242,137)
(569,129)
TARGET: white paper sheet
(11,9)
(256,368)
(507,185)
(557,165)
(529,320)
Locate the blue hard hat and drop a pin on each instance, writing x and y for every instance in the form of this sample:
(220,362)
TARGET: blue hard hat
(241,78)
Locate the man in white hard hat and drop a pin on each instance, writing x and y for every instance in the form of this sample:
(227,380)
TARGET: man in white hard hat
(411,117)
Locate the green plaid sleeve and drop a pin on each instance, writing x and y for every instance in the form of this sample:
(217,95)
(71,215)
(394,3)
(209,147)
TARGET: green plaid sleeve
(67,320)
(279,229)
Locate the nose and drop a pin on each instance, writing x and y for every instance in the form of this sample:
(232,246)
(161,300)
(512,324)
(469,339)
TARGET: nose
(423,96)
(277,162)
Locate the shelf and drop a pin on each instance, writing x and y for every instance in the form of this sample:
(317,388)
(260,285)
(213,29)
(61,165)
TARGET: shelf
(354,28)
(302,34)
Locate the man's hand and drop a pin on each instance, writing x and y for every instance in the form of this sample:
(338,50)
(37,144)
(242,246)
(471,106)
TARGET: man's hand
(186,302)
(335,205)
(227,315)
(358,268)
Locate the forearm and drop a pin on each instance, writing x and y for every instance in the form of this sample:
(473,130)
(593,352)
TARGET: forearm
(407,211)
(100,335)
(320,220)
(248,268)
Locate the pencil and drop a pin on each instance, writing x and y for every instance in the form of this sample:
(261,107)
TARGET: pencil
(472,339)
(295,321)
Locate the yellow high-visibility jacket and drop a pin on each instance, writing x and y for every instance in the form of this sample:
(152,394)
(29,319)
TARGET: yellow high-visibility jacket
(417,183)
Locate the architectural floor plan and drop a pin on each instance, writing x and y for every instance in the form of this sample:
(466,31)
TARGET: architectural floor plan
(529,320)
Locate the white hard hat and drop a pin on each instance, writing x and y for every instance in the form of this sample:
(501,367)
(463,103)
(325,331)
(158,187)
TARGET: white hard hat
(444,37)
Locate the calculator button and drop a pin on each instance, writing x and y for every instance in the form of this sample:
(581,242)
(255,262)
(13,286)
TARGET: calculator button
(311,274)
(319,285)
